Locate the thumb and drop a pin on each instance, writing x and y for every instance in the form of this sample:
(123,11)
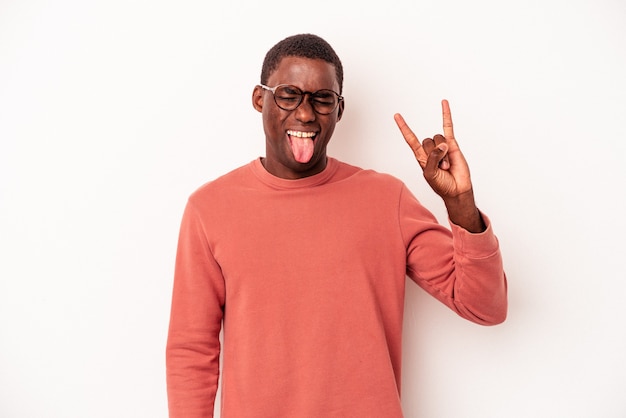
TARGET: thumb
(435,159)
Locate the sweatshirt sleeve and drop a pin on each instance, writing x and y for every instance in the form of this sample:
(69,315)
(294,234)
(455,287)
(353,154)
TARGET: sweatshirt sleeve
(462,270)
(193,346)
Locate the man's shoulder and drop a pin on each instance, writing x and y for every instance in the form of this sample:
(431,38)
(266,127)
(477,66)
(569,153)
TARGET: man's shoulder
(224,183)
(369,175)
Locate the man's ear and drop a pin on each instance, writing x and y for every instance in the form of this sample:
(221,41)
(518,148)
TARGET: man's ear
(257,98)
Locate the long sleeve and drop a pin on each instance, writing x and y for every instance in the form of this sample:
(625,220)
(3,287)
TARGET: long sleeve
(462,270)
(193,347)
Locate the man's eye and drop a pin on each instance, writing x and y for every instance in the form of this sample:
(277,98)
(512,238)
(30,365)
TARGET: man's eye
(288,98)
(325,99)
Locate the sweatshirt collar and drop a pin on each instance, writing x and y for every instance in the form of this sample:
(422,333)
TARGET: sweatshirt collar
(279,183)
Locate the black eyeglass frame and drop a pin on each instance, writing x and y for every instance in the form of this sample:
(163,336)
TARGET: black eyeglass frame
(312,95)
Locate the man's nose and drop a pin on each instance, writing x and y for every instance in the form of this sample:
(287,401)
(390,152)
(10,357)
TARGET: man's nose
(305,112)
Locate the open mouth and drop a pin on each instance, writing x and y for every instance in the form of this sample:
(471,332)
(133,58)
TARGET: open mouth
(302,145)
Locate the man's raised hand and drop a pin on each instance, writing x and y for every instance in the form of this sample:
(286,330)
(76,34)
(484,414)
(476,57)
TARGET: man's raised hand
(446,171)
(442,162)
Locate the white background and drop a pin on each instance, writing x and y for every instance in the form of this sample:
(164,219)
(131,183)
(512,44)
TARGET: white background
(113,112)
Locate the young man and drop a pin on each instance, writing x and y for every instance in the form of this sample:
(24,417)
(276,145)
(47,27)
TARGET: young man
(303,259)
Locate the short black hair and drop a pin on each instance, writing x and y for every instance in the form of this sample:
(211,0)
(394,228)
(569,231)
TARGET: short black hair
(303,45)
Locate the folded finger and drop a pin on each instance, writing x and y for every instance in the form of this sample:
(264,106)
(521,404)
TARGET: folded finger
(428,144)
(444,164)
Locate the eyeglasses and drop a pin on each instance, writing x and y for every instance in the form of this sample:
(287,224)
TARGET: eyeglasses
(289,97)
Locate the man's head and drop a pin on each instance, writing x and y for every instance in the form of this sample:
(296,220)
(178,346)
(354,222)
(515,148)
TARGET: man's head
(305,46)
(299,98)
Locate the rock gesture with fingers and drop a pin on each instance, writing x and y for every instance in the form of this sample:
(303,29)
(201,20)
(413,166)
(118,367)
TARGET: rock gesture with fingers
(446,171)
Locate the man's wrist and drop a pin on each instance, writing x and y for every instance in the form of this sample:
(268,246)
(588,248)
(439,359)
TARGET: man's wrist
(462,211)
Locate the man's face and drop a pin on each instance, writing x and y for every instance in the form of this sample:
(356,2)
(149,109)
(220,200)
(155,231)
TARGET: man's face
(296,140)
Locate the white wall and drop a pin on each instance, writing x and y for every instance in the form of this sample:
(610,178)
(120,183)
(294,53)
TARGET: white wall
(112,112)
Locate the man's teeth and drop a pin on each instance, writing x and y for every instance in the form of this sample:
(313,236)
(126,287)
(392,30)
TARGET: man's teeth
(300,134)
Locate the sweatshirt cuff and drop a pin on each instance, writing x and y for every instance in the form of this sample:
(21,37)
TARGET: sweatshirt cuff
(480,245)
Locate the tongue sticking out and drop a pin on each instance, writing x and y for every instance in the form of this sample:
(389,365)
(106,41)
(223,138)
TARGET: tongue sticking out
(302,148)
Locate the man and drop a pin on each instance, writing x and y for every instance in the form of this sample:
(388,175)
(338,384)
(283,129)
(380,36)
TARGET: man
(303,259)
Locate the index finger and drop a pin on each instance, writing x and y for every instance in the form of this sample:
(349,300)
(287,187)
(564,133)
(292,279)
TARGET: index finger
(448,131)
(407,133)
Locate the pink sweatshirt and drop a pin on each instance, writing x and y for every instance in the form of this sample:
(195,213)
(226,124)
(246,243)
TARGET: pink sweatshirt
(307,277)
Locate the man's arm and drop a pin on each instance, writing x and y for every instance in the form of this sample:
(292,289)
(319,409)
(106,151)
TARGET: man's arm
(465,273)
(193,346)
